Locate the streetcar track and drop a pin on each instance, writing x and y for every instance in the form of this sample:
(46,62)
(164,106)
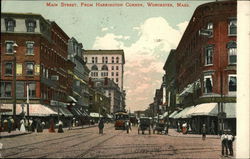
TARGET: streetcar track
(90,149)
(45,155)
(35,143)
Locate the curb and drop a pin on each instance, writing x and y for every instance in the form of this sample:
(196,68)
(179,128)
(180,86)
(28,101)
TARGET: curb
(14,135)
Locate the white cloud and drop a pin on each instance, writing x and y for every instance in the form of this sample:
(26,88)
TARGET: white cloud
(144,58)
(105,29)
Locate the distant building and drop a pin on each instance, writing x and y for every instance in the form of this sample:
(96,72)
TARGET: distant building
(107,64)
(79,104)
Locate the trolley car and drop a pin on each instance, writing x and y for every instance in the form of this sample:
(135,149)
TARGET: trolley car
(120,119)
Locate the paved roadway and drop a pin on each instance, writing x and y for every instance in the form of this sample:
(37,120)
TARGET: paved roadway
(87,143)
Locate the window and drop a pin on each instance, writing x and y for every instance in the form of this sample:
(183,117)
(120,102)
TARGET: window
(8,68)
(29,68)
(117,74)
(117,80)
(32,89)
(10,24)
(9,47)
(112,73)
(20,89)
(96,60)
(6,89)
(232,27)
(117,59)
(209,55)
(232,52)
(86,59)
(106,59)
(93,60)
(94,67)
(113,60)
(210,28)
(30,48)
(117,67)
(31,25)
(232,83)
(208,84)
(102,59)
(105,67)
(112,67)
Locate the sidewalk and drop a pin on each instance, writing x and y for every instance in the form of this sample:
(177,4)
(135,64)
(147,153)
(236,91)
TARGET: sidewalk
(173,132)
(18,133)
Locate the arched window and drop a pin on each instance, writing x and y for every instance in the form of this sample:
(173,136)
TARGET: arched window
(105,67)
(94,67)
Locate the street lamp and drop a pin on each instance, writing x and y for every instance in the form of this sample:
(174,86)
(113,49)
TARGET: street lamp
(14,82)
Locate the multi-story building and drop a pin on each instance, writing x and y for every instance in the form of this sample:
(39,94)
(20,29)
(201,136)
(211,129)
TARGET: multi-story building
(34,53)
(206,66)
(112,91)
(80,99)
(106,63)
(169,80)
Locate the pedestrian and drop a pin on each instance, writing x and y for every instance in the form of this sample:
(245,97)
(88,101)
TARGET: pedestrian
(224,143)
(60,126)
(230,139)
(203,131)
(9,125)
(127,126)
(101,126)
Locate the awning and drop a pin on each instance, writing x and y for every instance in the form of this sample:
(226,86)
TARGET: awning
(188,113)
(62,110)
(230,110)
(109,116)
(165,115)
(205,109)
(173,114)
(4,108)
(188,89)
(95,115)
(76,111)
(179,115)
(72,99)
(34,110)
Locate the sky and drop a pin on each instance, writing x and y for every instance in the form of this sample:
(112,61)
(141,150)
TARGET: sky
(146,34)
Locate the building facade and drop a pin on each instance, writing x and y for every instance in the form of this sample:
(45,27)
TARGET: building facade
(206,67)
(80,90)
(107,64)
(34,54)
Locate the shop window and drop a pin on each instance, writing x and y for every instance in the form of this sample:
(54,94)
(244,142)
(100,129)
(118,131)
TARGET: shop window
(232,83)
(208,84)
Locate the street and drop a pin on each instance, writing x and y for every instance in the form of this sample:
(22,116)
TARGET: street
(86,143)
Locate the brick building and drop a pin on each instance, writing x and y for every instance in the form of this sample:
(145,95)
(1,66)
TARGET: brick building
(206,66)
(34,52)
